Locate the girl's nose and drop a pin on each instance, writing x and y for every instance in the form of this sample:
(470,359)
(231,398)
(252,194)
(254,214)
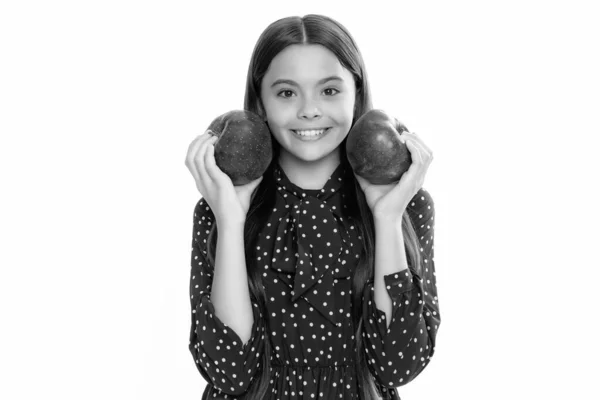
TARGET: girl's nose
(309,109)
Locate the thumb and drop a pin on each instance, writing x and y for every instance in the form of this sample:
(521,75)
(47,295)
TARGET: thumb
(361,181)
(247,192)
(254,184)
(249,187)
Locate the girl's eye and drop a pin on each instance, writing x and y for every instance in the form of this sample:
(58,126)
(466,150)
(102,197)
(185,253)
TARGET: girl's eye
(289,91)
(333,89)
(284,91)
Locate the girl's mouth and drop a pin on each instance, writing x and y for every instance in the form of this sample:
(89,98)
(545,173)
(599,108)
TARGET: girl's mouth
(310,135)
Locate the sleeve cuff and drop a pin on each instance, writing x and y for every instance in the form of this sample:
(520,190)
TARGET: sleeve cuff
(400,282)
(399,286)
(209,324)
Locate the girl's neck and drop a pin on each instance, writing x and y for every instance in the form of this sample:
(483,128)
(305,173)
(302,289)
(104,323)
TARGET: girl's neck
(309,175)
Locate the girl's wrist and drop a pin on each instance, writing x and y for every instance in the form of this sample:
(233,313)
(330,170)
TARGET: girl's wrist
(231,223)
(385,220)
(383,217)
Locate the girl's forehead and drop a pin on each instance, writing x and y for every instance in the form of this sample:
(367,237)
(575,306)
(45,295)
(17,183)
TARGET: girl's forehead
(300,52)
(305,64)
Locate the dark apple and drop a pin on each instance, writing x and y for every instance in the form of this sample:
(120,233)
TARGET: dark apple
(374,149)
(243,149)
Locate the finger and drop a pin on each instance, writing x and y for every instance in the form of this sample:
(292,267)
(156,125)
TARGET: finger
(409,175)
(199,161)
(419,167)
(193,170)
(426,154)
(419,139)
(191,164)
(415,151)
(400,127)
(195,145)
(213,170)
(193,151)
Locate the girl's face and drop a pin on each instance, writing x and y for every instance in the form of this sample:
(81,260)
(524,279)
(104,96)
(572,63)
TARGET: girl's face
(306,88)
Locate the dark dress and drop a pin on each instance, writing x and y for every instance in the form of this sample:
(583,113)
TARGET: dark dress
(307,253)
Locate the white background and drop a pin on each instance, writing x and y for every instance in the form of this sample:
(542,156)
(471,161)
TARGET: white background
(99,101)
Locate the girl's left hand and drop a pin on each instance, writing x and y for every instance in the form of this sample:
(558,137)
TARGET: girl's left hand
(390,201)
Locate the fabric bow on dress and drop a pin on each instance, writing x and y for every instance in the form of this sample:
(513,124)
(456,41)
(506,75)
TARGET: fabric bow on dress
(311,241)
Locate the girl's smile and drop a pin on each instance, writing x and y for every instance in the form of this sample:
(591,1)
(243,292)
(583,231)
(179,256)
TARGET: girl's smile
(310,135)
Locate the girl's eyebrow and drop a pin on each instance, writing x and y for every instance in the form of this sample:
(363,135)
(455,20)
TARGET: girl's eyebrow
(292,83)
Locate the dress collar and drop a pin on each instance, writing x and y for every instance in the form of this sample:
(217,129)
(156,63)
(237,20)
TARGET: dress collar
(332,186)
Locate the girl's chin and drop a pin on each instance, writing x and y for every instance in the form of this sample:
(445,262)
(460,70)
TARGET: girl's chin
(306,153)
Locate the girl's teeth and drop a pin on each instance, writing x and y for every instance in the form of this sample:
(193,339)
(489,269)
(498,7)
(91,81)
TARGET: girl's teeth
(310,133)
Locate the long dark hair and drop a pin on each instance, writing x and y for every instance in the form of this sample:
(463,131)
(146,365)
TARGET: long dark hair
(313,29)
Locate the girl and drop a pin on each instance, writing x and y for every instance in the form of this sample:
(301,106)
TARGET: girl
(310,282)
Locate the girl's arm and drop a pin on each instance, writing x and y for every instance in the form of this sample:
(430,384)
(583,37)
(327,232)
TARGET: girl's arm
(220,298)
(230,294)
(390,256)
(398,350)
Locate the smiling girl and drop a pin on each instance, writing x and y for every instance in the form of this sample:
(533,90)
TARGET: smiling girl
(310,282)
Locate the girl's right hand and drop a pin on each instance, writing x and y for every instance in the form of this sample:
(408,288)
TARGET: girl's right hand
(228,203)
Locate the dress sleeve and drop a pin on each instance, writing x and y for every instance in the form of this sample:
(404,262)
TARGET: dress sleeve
(398,353)
(221,357)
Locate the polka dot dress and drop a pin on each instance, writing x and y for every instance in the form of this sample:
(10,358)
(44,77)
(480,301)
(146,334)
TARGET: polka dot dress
(307,253)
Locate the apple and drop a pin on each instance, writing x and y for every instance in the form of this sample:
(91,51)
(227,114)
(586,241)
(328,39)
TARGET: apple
(374,149)
(243,148)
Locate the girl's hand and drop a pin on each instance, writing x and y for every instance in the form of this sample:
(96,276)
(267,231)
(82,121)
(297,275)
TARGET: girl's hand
(228,203)
(390,201)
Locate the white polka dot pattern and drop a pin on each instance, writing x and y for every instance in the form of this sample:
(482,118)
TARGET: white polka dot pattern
(309,327)
(398,353)
(222,359)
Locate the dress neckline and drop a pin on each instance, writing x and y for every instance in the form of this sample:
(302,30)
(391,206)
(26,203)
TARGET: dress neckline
(332,185)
